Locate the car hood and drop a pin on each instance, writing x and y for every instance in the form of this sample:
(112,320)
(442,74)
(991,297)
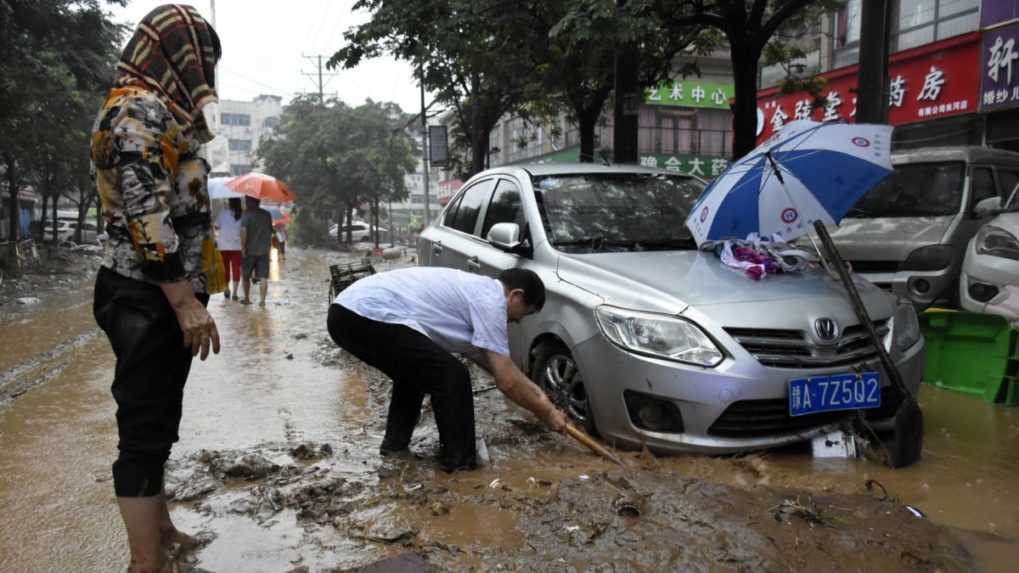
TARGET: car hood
(672,281)
(1008,222)
(887,239)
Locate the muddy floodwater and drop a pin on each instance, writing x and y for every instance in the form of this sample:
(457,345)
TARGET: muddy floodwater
(277,465)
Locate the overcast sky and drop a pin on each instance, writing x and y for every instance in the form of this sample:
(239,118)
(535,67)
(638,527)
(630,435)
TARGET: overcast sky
(264,40)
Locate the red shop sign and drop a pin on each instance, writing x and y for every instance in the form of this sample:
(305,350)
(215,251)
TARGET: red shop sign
(929,82)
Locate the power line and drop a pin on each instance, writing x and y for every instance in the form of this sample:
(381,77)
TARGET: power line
(321,86)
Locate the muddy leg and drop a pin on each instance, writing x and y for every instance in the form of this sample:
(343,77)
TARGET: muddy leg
(141,519)
(169,535)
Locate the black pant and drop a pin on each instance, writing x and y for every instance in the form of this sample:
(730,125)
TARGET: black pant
(148,385)
(417,366)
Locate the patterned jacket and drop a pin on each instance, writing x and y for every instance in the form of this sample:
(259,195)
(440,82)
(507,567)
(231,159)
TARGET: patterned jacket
(153,188)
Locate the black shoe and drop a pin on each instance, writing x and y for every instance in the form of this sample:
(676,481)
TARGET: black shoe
(389,448)
(458,462)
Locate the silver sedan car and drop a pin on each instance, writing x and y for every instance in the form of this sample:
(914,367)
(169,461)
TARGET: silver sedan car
(648,341)
(990,271)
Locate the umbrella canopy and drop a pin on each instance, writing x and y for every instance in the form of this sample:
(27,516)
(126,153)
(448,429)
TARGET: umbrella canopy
(218,188)
(261,186)
(278,216)
(807,172)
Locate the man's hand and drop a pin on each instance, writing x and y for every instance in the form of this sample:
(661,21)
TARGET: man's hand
(555,419)
(199,329)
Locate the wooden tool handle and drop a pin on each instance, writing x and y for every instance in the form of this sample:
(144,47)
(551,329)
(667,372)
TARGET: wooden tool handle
(592,445)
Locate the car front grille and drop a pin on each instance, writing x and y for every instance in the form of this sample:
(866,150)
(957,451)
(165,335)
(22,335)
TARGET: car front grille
(791,349)
(763,418)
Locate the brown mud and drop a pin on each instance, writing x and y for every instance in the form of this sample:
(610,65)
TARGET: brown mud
(278,466)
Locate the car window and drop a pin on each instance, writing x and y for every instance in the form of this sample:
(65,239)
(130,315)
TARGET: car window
(470,206)
(450,216)
(981,186)
(1007,180)
(590,212)
(505,207)
(915,190)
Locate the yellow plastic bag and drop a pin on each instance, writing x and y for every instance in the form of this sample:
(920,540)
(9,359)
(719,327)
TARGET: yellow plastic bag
(212,266)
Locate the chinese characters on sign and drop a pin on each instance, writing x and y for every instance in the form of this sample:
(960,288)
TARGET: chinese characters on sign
(932,81)
(702,166)
(691,93)
(999,81)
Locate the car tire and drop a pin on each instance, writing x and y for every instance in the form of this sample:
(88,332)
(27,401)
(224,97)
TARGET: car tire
(555,371)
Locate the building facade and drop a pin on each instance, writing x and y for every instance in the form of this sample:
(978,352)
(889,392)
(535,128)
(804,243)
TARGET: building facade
(953,74)
(239,126)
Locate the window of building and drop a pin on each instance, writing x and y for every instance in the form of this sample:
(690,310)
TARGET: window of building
(271,122)
(236,119)
(916,22)
(240,169)
(240,145)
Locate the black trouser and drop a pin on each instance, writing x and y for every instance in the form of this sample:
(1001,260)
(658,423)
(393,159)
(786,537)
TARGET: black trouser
(417,366)
(148,385)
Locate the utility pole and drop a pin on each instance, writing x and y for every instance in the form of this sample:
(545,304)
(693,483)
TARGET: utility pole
(872,77)
(628,96)
(424,144)
(320,74)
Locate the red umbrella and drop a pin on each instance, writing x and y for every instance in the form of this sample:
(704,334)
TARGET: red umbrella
(261,186)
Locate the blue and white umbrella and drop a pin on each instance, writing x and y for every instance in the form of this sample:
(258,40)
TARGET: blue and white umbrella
(806,172)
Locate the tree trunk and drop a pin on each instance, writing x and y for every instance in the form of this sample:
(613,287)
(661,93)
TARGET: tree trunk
(626,116)
(12,188)
(83,205)
(744,110)
(45,208)
(588,123)
(53,208)
(350,224)
(479,144)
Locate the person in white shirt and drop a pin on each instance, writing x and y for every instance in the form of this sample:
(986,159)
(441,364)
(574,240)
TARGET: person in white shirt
(228,241)
(408,322)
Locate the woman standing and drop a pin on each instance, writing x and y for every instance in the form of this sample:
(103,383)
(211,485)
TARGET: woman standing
(228,225)
(151,292)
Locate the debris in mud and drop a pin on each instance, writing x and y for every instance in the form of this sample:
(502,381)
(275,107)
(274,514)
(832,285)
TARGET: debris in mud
(438,508)
(380,525)
(27,300)
(250,466)
(310,451)
(300,336)
(793,508)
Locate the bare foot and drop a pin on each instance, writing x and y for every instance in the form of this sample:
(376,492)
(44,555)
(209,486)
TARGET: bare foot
(245,301)
(262,304)
(173,536)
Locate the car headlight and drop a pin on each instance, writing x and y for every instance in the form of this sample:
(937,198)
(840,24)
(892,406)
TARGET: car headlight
(658,335)
(997,242)
(904,328)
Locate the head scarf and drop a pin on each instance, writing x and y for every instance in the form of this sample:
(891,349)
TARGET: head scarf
(173,53)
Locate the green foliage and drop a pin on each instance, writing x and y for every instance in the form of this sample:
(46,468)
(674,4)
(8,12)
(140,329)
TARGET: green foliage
(339,158)
(56,63)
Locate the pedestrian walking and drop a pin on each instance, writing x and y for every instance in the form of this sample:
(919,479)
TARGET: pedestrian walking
(408,322)
(151,290)
(281,239)
(228,239)
(256,243)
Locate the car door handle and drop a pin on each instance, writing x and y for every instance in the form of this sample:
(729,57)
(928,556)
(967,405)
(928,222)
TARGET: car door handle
(437,249)
(473,264)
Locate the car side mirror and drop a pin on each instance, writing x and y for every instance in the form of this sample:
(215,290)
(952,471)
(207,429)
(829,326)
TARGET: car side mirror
(987,208)
(505,237)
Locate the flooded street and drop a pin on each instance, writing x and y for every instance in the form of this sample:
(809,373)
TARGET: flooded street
(278,461)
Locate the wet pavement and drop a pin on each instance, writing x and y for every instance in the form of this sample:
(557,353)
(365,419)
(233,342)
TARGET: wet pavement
(252,469)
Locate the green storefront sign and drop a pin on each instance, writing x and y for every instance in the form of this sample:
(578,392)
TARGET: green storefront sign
(691,93)
(703,166)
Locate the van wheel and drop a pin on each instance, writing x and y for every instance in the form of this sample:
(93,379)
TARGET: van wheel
(555,371)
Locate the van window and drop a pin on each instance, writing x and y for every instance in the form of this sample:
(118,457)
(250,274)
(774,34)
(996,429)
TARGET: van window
(915,190)
(450,215)
(504,208)
(1008,180)
(981,186)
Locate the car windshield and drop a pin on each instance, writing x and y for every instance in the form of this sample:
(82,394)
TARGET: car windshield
(592,212)
(914,190)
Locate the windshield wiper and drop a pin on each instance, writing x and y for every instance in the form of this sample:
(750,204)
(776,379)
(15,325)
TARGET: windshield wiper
(685,243)
(595,243)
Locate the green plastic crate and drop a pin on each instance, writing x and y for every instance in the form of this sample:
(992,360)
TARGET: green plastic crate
(972,353)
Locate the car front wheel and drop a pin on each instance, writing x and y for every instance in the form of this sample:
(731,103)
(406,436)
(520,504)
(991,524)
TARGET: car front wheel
(556,372)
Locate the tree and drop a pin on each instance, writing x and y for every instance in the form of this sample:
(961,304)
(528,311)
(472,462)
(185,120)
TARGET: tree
(468,52)
(340,157)
(576,46)
(749,26)
(53,54)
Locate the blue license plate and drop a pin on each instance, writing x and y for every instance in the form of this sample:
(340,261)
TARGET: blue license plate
(834,392)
